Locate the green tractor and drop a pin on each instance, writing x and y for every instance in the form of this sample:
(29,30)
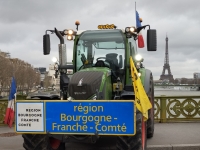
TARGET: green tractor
(101,72)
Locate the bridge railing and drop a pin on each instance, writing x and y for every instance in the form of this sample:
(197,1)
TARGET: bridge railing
(176,108)
(166,108)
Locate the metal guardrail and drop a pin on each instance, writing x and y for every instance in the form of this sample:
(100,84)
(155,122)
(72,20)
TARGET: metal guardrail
(177,108)
(166,108)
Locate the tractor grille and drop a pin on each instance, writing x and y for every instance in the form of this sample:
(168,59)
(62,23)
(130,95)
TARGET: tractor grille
(84,84)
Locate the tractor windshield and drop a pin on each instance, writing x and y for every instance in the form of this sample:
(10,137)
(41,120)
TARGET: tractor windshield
(100,48)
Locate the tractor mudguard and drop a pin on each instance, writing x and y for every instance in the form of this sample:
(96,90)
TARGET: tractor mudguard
(145,78)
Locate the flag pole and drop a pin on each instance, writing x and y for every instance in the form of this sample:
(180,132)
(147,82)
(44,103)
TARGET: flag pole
(135,15)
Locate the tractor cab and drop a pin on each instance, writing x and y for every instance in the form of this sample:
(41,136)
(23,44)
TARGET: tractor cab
(101,48)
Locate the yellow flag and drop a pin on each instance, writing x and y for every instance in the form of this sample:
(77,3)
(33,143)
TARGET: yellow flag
(141,99)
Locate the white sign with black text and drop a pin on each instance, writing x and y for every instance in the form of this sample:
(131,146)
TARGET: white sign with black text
(29,117)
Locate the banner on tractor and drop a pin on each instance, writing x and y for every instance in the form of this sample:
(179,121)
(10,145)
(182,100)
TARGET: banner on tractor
(76,117)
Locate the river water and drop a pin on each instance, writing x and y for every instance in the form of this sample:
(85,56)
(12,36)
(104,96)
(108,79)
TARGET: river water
(159,92)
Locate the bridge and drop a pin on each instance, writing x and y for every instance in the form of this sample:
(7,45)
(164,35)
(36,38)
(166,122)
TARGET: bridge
(177,126)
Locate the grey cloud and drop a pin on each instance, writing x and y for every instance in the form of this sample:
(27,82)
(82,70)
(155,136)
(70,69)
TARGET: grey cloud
(23,23)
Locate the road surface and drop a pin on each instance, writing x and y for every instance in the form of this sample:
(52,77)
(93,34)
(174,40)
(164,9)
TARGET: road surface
(168,136)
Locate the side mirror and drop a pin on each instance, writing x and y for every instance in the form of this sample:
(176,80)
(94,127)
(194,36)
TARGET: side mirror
(151,40)
(46,44)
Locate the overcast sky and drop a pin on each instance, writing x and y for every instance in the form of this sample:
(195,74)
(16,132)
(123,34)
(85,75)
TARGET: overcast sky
(23,24)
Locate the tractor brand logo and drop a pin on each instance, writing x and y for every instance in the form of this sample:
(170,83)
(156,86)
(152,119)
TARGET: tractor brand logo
(80,82)
(79,93)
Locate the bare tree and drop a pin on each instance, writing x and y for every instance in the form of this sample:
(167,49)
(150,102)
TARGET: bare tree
(5,74)
(25,75)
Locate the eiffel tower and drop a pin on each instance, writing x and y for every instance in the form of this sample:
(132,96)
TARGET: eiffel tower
(166,66)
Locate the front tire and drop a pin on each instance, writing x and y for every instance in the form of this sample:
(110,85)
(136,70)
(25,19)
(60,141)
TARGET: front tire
(41,142)
(136,142)
(150,121)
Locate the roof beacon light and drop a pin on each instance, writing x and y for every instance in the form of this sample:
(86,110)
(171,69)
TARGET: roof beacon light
(107,26)
(77,23)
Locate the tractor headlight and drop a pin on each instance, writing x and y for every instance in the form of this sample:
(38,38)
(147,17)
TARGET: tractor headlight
(132,29)
(138,57)
(69,37)
(54,59)
(127,29)
(70,32)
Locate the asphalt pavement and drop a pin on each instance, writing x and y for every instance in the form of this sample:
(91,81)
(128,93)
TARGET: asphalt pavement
(168,136)
(175,136)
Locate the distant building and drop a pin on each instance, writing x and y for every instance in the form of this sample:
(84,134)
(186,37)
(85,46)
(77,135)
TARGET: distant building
(54,81)
(42,71)
(36,70)
(196,75)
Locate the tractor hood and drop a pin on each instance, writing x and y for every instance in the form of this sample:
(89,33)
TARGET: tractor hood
(87,82)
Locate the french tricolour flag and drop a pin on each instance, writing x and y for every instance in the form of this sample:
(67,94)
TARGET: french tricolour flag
(10,113)
(140,37)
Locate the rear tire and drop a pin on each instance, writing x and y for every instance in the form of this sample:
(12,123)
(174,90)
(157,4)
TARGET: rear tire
(136,142)
(41,142)
(150,121)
